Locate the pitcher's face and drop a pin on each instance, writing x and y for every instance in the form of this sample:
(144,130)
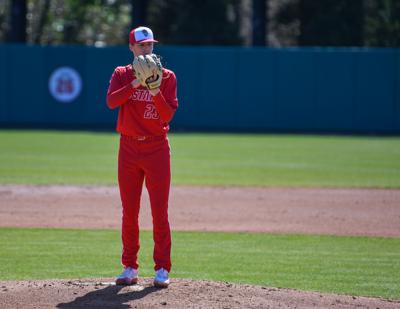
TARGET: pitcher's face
(141,48)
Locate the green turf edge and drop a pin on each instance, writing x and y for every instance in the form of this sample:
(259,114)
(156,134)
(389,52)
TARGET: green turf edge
(360,266)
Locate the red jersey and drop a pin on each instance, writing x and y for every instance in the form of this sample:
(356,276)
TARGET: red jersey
(141,114)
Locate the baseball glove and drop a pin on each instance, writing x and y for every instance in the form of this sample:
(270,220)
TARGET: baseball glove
(148,70)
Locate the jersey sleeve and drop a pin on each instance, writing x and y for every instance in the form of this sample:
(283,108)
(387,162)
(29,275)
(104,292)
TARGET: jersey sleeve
(166,101)
(118,93)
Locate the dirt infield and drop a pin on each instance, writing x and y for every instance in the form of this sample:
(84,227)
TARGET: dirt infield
(272,210)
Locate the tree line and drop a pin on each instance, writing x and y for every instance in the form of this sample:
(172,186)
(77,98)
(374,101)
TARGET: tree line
(369,23)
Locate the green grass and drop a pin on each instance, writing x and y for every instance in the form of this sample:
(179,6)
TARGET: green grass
(46,157)
(286,160)
(346,265)
(50,157)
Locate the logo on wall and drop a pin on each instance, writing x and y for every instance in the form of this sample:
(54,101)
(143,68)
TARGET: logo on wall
(65,84)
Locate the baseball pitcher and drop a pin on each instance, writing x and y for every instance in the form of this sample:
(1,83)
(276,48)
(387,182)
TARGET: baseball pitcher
(146,96)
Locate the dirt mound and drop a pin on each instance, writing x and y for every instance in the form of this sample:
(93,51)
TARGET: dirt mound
(181,293)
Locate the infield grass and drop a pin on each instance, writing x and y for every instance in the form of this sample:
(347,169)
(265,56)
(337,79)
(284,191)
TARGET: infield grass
(345,265)
(51,157)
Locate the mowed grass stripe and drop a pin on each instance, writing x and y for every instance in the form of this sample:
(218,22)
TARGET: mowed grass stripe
(51,157)
(347,265)
(287,160)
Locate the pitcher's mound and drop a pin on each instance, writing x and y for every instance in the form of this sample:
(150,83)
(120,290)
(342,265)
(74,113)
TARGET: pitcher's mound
(182,293)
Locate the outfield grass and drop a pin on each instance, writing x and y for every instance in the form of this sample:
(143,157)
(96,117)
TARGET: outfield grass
(347,265)
(49,157)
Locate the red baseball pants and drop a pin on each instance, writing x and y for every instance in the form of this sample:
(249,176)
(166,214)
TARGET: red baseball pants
(150,161)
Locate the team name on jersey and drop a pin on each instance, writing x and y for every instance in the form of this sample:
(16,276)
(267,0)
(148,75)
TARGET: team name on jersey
(142,95)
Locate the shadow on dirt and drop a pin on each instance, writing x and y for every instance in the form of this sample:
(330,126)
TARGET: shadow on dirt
(109,297)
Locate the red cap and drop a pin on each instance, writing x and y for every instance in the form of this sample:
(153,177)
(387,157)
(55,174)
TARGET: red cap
(141,35)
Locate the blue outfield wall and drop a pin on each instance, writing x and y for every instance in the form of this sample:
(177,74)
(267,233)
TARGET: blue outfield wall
(219,88)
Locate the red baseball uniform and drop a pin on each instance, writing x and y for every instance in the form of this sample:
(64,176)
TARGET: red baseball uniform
(144,154)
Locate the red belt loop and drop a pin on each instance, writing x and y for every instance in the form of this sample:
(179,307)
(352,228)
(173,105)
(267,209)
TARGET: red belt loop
(144,138)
